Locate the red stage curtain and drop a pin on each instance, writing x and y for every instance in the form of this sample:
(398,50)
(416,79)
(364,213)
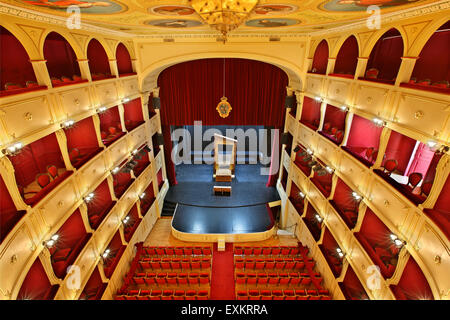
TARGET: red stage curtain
(98,59)
(400,148)
(82,136)
(123,58)
(386,55)
(61,59)
(347,57)
(434,60)
(15,65)
(35,157)
(335,116)
(133,113)
(190,91)
(364,133)
(320,60)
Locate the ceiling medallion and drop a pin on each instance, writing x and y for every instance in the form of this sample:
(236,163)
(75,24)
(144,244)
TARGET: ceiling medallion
(224,107)
(224,15)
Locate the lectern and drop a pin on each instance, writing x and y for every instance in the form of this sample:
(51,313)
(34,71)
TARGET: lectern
(224,157)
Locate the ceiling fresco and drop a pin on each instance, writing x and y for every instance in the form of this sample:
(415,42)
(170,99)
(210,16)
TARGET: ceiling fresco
(157,16)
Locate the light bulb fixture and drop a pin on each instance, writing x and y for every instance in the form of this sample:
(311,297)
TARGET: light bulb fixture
(51,242)
(431,144)
(301,194)
(318,218)
(398,242)
(67,124)
(393,237)
(379,122)
(125,221)
(344,108)
(13,149)
(135,151)
(142,195)
(101,109)
(89,197)
(310,152)
(115,170)
(125,100)
(318,99)
(340,253)
(356,196)
(329,169)
(106,254)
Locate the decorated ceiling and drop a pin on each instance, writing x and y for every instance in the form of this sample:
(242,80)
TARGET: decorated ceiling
(170,16)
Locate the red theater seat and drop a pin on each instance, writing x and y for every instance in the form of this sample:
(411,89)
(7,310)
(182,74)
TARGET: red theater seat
(242,295)
(202,295)
(190,294)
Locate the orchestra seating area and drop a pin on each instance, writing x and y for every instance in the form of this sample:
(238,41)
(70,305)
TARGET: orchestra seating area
(277,273)
(168,273)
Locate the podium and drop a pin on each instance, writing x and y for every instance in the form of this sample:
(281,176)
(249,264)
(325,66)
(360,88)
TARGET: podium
(224,158)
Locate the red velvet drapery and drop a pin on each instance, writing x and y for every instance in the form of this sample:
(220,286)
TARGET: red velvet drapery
(36,285)
(98,59)
(82,136)
(72,230)
(335,117)
(15,65)
(364,133)
(320,60)
(347,57)
(434,60)
(61,59)
(310,113)
(123,58)
(386,55)
(190,91)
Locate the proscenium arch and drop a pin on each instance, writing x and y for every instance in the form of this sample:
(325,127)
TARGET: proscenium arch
(149,76)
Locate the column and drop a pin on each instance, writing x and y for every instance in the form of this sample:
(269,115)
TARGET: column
(41,72)
(121,109)
(113,67)
(348,125)
(145,96)
(85,217)
(134,65)
(323,108)
(330,65)
(62,142)
(361,67)
(384,139)
(96,120)
(309,63)
(84,69)
(406,69)
(7,173)
(300,95)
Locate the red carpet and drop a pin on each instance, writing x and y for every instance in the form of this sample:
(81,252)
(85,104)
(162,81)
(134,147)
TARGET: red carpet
(222,274)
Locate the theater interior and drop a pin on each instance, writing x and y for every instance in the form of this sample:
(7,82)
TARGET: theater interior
(225,150)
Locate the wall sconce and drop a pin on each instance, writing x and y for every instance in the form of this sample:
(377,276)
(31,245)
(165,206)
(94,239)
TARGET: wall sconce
(50,243)
(125,221)
(318,218)
(329,169)
(101,109)
(135,151)
(431,144)
(344,108)
(115,170)
(67,124)
(356,196)
(105,254)
(142,195)
(340,253)
(398,242)
(302,195)
(310,152)
(125,100)
(89,197)
(318,99)
(379,122)
(13,149)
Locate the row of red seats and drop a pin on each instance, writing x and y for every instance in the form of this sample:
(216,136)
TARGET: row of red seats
(56,82)
(175,263)
(178,251)
(266,251)
(172,278)
(287,294)
(293,278)
(164,295)
(277,263)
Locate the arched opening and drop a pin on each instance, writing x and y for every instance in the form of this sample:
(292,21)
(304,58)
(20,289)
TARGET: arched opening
(124,65)
(98,61)
(385,58)
(62,64)
(432,69)
(347,59)
(17,74)
(320,60)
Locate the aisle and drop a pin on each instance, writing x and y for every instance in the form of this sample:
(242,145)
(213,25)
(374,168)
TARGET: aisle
(222,274)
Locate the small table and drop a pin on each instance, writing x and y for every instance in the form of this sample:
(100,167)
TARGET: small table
(222,190)
(223,175)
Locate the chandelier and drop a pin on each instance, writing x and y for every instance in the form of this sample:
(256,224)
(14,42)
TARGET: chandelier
(223,15)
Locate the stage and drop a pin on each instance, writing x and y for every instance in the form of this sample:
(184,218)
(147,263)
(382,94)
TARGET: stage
(200,215)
